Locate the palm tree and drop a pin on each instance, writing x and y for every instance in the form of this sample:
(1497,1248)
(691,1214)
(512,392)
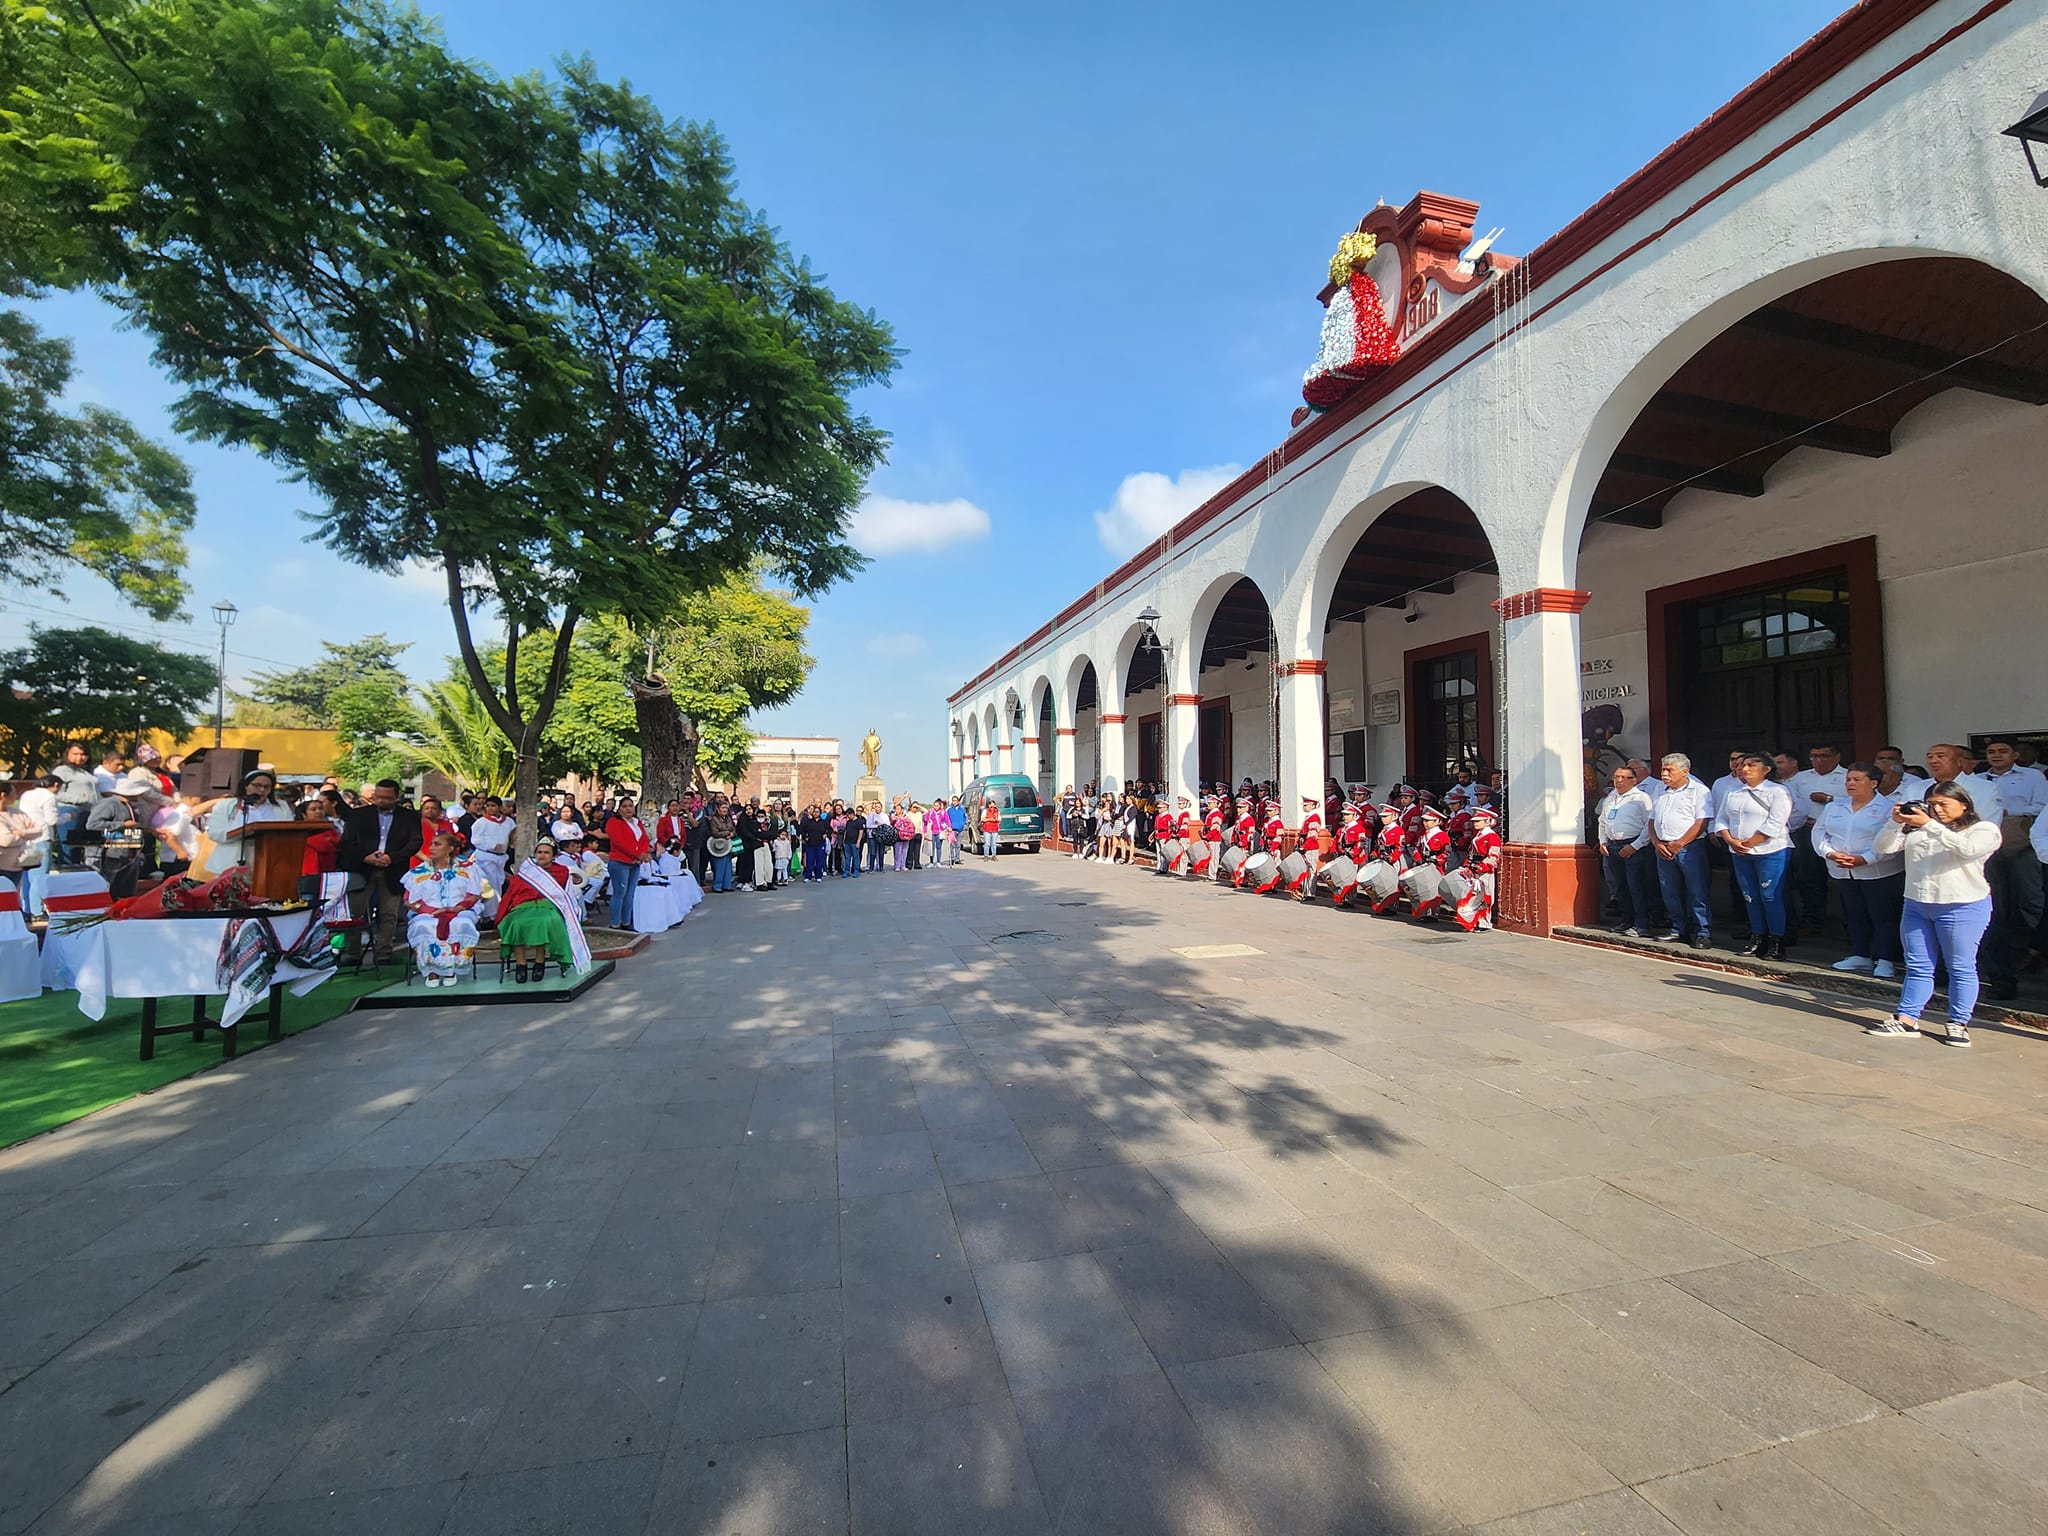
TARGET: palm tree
(458,738)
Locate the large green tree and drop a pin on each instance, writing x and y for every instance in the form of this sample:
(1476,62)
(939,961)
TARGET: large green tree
(98,687)
(82,489)
(525,331)
(304,697)
(729,651)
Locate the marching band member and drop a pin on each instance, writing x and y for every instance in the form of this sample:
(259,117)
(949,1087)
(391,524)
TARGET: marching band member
(1353,843)
(1271,829)
(1244,833)
(1212,839)
(1429,852)
(1162,831)
(1481,866)
(1390,849)
(1309,844)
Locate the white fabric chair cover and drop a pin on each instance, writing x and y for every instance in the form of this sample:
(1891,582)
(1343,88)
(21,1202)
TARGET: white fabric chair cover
(21,967)
(81,890)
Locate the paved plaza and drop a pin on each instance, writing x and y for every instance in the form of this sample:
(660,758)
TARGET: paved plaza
(1049,1197)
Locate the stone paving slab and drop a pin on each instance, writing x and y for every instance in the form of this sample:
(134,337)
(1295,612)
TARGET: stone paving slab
(1361,1232)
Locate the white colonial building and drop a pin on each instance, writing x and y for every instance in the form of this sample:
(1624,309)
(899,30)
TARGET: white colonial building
(1751,453)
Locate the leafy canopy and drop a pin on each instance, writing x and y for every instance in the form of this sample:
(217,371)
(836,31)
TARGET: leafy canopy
(83,490)
(524,330)
(305,697)
(729,651)
(92,685)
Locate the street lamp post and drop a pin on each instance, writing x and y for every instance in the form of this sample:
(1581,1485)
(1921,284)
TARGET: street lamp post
(224,614)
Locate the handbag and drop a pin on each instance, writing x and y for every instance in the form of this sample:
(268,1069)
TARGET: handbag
(885,835)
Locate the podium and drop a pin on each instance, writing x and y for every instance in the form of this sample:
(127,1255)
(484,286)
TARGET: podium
(277,853)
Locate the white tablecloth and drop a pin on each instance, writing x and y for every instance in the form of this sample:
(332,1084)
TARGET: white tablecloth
(173,957)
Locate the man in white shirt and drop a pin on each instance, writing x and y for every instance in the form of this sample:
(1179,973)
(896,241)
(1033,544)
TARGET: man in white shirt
(1679,818)
(108,774)
(1623,818)
(1895,780)
(1813,790)
(1751,824)
(1717,851)
(2014,871)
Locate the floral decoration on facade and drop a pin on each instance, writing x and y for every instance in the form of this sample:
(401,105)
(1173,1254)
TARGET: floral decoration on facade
(1357,341)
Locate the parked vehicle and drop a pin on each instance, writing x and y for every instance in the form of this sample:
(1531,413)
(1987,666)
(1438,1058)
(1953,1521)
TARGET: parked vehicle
(1020,813)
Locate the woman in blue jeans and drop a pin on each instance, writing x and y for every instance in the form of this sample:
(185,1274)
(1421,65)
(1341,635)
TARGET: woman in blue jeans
(1948,904)
(1752,823)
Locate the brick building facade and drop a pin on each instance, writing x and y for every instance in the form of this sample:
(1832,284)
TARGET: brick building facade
(798,768)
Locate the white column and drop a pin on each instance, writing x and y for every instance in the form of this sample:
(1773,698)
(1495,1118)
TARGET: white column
(1542,754)
(1109,773)
(1029,759)
(1182,723)
(1303,763)
(1003,756)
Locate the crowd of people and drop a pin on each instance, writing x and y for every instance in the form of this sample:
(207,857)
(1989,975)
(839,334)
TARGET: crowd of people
(1434,855)
(1934,868)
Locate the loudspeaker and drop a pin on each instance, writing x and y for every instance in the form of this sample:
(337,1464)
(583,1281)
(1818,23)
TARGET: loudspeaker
(215,771)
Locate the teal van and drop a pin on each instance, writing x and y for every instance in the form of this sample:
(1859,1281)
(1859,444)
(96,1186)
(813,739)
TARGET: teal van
(1022,816)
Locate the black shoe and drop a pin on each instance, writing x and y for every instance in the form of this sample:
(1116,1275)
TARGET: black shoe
(519,973)
(1700,941)
(1773,949)
(1753,945)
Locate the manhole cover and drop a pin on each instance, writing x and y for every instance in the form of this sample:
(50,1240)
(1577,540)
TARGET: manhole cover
(1217,951)
(1025,936)
(1074,903)
(1441,939)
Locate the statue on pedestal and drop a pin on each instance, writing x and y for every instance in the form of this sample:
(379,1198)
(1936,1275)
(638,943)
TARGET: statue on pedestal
(868,788)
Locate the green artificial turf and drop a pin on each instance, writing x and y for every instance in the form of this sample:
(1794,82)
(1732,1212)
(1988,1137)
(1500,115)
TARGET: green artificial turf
(56,1064)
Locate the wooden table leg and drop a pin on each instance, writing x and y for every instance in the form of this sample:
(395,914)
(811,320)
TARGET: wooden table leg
(149,1029)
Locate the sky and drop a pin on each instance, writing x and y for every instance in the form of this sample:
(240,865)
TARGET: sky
(1097,231)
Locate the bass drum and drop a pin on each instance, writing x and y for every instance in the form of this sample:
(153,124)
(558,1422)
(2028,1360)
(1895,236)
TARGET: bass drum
(1453,889)
(1421,885)
(1233,860)
(1293,871)
(1380,883)
(1340,874)
(1199,855)
(1170,850)
(1259,872)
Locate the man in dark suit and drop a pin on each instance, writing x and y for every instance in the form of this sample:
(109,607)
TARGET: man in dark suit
(378,841)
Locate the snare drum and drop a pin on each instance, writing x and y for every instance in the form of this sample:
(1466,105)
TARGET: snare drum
(1170,850)
(1341,874)
(1233,862)
(1293,871)
(1261,872)
(1421,886)
(1200,854)
(1381,884)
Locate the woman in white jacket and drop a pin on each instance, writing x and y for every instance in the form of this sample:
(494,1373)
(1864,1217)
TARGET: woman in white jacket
(1948,903)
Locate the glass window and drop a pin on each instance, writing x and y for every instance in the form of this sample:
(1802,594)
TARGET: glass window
(1023,797)
(1804,620)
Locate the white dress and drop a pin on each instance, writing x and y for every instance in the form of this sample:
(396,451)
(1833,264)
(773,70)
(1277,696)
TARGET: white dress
(441,890)
(489,842)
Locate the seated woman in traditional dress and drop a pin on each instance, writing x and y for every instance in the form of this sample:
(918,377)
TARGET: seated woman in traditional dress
(443,898)
(538,918)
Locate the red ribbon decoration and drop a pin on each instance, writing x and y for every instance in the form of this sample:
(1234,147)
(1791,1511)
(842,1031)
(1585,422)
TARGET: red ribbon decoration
(10,901)
(91,901)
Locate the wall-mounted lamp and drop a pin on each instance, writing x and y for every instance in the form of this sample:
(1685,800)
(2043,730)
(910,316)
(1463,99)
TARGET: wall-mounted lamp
(2031,130)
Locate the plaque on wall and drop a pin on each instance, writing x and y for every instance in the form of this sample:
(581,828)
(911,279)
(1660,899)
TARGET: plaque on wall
(1385,708)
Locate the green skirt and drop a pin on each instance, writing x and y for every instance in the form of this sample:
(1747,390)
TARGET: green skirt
(536,924)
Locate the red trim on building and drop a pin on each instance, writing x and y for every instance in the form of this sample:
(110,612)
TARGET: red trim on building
(1522,605)
(1802,72)
(1065,730)
(1547,885)
(1303,668)
(1027,741)
(1114,719)
(1189,700)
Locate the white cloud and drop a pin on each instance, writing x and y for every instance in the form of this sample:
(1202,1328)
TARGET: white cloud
(1149,503)
(883,525)
(896,646)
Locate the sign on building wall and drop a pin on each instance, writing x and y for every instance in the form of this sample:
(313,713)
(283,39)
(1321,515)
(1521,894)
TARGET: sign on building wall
(1385,707)
(1614,706)
(1343,709)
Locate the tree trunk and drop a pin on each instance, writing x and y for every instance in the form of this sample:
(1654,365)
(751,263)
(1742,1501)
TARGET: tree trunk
(668,744)
(525,793)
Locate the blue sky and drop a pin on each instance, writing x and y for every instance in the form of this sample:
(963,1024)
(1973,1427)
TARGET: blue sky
(1098,232)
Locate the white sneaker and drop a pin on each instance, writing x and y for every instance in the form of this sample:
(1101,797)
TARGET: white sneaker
(1958,1034)
(1861,964)
(1885,970)
(1893,1029)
